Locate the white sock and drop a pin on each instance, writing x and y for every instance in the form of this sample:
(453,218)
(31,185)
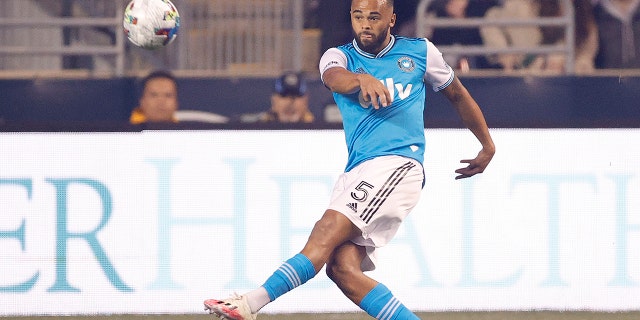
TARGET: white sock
(257,299)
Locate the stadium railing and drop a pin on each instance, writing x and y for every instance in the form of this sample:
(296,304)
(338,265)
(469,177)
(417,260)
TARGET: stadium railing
(40,35)
(217,37)
(425,22)
(227,38)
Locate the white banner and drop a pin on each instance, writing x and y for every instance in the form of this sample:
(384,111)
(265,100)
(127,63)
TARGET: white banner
(157,222)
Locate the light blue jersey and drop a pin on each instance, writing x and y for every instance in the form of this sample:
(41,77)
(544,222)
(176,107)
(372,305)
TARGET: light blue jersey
(404,66)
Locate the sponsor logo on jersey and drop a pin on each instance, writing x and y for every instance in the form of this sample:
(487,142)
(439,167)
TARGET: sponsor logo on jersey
(393,87)
(406,64)
(353,206)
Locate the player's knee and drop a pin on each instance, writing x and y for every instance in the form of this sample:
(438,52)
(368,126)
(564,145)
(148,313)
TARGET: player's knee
(331,272)
(339,272)
(330,231)
(324,226)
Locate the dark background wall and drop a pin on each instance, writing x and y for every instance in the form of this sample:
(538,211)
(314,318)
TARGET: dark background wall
(506,101)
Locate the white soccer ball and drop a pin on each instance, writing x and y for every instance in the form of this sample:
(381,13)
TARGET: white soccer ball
(151,24)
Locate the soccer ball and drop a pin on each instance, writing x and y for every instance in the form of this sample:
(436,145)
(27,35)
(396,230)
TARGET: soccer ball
(151,24)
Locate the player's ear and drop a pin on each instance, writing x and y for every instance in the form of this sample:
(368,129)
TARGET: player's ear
(392,23)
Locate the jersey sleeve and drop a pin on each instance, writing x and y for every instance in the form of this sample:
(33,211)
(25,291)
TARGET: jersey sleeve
(438,73)
(332,58)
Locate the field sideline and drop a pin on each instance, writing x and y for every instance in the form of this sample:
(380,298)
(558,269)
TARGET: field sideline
(497,315)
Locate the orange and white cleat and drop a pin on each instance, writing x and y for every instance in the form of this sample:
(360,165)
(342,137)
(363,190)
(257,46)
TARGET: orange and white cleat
(233,308)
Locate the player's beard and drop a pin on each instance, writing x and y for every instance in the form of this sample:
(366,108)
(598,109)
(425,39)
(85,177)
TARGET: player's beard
(376,43)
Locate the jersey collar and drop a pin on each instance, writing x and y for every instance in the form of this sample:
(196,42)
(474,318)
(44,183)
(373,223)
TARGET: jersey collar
(380,54)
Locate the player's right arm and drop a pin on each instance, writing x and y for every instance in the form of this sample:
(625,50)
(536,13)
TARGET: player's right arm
(472,117)
(336,77)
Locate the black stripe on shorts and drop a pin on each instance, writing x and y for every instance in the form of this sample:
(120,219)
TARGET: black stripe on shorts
(384,192)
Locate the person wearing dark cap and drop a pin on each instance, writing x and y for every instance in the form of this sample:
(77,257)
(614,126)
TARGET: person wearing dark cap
(289,101)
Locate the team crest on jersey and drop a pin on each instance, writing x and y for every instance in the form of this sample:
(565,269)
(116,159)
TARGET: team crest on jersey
(406,64)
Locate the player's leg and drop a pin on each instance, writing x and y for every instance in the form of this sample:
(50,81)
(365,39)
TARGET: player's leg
(329,232)
(333,229)
(345,270)
(387,188)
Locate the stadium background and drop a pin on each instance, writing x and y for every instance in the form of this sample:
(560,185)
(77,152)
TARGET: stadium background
(56,108)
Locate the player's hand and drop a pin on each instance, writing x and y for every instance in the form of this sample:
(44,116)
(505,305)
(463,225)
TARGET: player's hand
(373,92)
(476,165)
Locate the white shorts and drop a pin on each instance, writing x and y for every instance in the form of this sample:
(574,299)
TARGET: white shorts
(376,196)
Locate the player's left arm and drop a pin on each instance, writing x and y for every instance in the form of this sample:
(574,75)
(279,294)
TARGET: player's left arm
(472,117)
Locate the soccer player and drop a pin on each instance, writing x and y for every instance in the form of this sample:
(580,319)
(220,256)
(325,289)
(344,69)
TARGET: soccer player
(378,82)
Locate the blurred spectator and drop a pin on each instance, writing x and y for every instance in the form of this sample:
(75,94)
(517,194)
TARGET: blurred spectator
(474,9)
(507,36)
(159,99)
(619,33)
(465,36)
(551,35)
(585,33)
(478,8)
(586,36)
(289,102)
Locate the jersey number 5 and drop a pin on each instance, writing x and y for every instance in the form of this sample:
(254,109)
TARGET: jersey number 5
(362,192)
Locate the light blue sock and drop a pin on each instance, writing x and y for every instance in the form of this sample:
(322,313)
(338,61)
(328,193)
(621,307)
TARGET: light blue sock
(381,304)
(291,274)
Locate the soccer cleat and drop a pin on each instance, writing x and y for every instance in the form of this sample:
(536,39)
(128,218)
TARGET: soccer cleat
(233,308)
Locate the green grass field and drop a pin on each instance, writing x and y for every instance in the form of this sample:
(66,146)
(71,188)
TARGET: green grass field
(498,315)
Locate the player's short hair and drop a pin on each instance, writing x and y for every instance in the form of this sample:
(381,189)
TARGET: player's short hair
(389,3)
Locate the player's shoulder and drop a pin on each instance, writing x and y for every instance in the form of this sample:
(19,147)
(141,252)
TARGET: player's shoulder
(410,39)
(411,43)
(346,47)
(417,46)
